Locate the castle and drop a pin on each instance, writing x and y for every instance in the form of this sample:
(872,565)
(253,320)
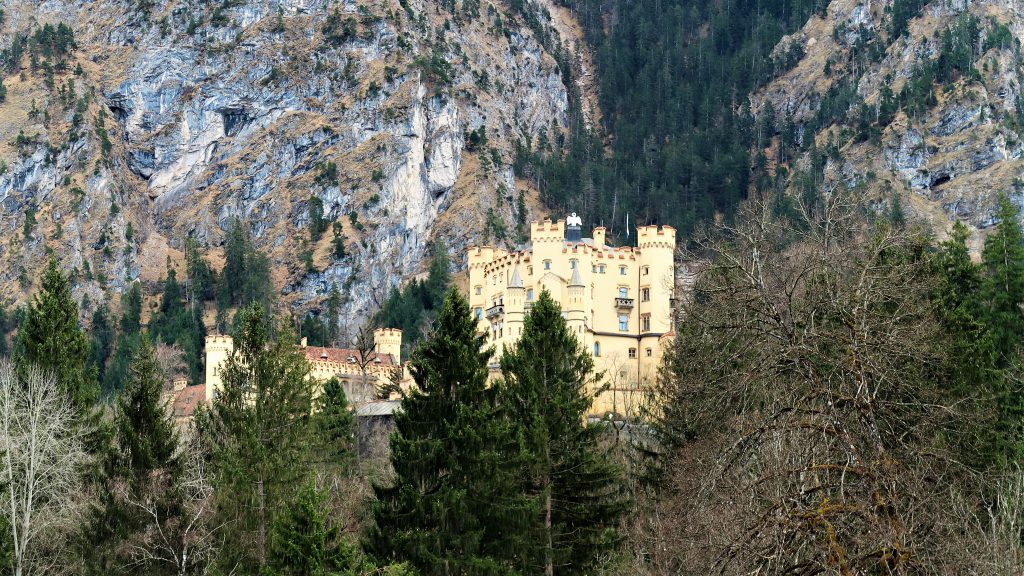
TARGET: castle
(617,300)
(360,377)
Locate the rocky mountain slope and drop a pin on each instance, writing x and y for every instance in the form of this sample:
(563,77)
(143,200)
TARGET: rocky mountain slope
(919,102)
(167,119)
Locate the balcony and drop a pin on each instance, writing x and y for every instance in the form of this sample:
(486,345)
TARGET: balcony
(624,303)
(495,311)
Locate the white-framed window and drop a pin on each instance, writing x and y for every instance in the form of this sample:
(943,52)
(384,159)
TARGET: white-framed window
(649,352)
(645,322)
(622,270)
(645,294)
(623,322)
(479,312)
(479,290)
(623,292)
(597,348)
(632,352)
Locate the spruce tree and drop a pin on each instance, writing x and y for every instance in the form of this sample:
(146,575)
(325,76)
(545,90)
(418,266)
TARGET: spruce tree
(51,338)
(452,508)
(307,542)
(140,479)
(1003,263)
(574,482)
(258,434)
(334,425)
(102,340)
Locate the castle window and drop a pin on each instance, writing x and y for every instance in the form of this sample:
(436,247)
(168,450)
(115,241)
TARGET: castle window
(649,352)
(632,352)
(593,268)
(529,294)
(646,270)
(572,264)
(622,270)
(529,270)
(479,312)
(623,322)
(645,322)
(597,348)
(645,294)
(623,292)
(600,268)
(547,264)
(479,290)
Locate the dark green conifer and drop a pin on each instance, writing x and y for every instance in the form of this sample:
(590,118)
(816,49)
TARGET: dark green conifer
(452,508)
(307,541)
(51,338)
(575,484)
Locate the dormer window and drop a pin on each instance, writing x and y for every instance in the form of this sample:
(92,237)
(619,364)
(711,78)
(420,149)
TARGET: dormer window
(351,359)
(323,354)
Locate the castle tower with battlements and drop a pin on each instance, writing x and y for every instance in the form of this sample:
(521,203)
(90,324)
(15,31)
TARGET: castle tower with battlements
(617,300)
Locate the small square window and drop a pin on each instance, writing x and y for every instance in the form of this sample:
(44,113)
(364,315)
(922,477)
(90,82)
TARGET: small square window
(632,352)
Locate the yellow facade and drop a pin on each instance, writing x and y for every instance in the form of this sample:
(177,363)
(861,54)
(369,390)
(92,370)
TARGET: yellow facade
(617,300)
(359,379)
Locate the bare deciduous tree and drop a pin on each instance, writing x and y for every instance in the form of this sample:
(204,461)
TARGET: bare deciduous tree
(41,457)
(187,542)
(812,434)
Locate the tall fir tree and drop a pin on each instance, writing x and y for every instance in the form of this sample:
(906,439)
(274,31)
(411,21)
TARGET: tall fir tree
(1002,259)
(130,324)
(306,541)
(334,425)
(138,491)
(452,508)
(102,337)
(1002,311)
(50,337)
(576,485)
(258,433)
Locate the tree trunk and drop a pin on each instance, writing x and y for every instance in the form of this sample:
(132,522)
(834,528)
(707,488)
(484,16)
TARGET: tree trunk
(549,565)
(262,526)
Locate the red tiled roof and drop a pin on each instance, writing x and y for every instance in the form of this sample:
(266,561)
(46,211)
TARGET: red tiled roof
(188,399)
(343,355)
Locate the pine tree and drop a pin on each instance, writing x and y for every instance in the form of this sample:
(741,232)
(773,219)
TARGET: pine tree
(51,338)
(307,542)
(333,314)
(574,482)
(335,425)
(1003,263)
(452,508)
(140,476)
(102,340)
(127,341)
(258,433)
(1002,311)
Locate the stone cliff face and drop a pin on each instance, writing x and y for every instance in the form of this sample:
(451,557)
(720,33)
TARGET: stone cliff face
(945,151)
(173,117)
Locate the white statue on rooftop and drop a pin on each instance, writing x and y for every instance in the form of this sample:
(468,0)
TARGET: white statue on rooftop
(574,220)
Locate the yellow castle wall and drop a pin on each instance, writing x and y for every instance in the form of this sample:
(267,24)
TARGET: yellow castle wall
(644,272)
